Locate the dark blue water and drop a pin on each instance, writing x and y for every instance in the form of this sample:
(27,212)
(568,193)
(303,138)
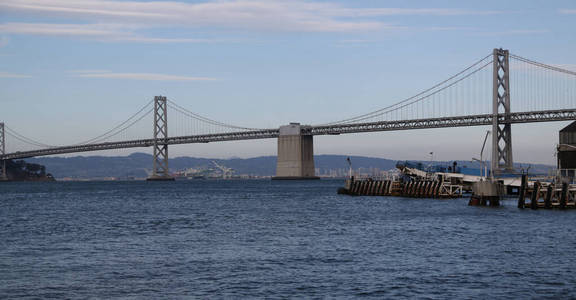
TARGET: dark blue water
(263,239)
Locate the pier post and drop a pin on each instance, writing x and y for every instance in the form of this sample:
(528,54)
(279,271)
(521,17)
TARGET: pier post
(564,195)
(535,195)
(160,171)
(295,154)
(549,193)
(3,170)
(522,193)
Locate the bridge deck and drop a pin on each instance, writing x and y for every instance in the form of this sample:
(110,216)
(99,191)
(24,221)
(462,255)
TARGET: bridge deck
(462,121)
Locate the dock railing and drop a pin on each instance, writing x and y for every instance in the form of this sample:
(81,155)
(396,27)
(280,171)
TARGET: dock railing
(566,175)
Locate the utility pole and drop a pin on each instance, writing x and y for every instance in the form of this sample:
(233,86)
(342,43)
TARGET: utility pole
(501,131)
(160,171)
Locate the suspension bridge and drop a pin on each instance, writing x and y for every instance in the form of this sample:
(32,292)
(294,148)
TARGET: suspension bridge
(479,95)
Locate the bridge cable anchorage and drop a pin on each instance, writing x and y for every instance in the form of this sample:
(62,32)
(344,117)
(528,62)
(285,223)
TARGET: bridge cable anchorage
(108,134)
(13,133)
(395,107)
(198,117)
(543,65)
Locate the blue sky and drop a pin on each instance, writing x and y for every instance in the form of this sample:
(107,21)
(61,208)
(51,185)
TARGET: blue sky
(72,69)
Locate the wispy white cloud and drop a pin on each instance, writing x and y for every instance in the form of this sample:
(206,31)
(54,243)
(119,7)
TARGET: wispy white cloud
(89,71)
(138,76)
(357,41)
(13,75)
(513,32)
(567,11)
(102,32)
(276,15)
(378,12)
(91,30)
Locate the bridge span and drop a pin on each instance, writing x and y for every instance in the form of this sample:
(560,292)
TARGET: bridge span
(463,121)
(428,109)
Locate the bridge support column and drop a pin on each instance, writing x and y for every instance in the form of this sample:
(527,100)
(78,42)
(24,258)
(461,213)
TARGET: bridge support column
(3,170)
(501,132)
(295,154)
(160,171)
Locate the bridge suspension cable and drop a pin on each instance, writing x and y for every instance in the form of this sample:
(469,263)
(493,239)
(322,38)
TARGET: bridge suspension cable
(543,65)
(135,118)
(537,86)
(13,133)
(423,95)
(198,117)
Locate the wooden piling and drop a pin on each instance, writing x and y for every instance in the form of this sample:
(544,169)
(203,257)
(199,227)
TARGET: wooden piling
(356,187)
(535,195)
(564,195)
(522,193)
(549,193)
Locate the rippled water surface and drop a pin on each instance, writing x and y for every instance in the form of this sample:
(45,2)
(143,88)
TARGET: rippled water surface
(263,239)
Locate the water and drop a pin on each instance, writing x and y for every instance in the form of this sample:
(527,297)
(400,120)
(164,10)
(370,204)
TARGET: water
(263,239)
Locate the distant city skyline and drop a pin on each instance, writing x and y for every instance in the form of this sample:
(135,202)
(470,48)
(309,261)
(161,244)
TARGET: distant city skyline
(73,69)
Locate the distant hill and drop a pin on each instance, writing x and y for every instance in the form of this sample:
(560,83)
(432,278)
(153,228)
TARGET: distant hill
(138,164)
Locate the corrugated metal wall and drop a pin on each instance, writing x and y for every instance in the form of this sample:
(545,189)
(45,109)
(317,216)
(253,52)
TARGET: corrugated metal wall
(567,159)
(568,138)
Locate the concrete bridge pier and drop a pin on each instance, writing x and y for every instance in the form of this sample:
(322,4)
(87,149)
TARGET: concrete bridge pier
(295,154)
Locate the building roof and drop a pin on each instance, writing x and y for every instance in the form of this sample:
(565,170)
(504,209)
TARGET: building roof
(569,128)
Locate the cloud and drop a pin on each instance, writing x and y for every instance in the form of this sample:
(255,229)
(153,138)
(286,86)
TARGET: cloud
(269,15)
(513,32)
(13,75)
(138,76)
(102,32)
(567,11)
(356,41)
(3,41)
(378,12)
(88,71)
(93,30)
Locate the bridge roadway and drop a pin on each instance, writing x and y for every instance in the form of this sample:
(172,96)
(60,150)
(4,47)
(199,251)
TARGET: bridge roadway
(461,121)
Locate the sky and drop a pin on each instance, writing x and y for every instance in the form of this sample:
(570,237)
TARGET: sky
(70,70)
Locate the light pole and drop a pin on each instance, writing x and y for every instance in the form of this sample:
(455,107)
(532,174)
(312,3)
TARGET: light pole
(349,167)
(481,167)
(481,154)
(481,160)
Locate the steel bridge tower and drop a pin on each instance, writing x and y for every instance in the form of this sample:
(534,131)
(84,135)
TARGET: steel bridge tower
(3,170)
(160,169)
(501,131)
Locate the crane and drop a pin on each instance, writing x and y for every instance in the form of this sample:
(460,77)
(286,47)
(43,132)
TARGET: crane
(226,172)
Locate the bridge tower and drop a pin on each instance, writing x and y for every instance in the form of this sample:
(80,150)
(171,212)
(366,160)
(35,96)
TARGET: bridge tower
(3,170)
(501,132)
(160,171)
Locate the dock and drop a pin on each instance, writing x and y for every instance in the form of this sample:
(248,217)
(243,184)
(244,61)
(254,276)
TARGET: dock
(413,188)
(546,195)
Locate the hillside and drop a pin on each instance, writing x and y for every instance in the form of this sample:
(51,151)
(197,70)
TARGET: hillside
(139,164)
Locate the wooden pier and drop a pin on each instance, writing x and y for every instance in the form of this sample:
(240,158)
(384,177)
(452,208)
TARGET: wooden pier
(546,195)
(414,188)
